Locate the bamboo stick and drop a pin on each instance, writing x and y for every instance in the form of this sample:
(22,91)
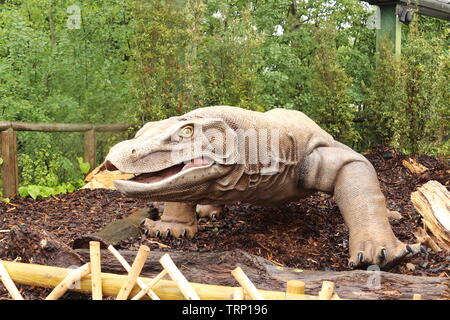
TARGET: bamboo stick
(96,269)
(245,282)
(49,277)
(295,286)
(238,294)
(148,287)
(71,278)
(134,272)
(127,267)
(417,296)
(186,289)
(326,292)
(9,283)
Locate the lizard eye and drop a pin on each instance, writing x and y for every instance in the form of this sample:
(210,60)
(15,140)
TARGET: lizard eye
(187,131)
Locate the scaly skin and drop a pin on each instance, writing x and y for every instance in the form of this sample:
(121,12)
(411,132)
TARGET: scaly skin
(180,161)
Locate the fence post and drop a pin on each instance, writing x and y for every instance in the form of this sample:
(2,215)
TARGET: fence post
(90,148)
(10,171)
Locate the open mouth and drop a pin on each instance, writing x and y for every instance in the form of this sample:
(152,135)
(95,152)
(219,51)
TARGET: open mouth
(178,169)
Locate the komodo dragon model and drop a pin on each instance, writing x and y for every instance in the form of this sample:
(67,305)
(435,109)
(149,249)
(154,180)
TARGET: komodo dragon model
(217,155)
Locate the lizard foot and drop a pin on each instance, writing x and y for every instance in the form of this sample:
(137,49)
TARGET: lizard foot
(166,229)
(210,211)
(386,254)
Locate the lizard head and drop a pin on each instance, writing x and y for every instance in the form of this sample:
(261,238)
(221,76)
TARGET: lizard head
(176,159)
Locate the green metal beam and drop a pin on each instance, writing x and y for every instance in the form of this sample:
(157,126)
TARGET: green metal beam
(390,27)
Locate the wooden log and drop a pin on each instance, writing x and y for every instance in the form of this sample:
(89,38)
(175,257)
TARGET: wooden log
(49,277)
(9,168)
(327,290)
(214,268)
(69,281)
(295,286)
(134,272)
(186,289)
(127,267)
(432,201)
(90,148)
(96,270)
(9,284)
(245,282)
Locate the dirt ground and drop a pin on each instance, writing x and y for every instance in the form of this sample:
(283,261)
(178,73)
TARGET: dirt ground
(309,234)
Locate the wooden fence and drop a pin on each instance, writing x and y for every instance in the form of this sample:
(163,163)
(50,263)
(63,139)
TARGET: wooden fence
(9,145)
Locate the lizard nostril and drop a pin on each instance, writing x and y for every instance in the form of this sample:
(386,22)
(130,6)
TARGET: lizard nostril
(133,151)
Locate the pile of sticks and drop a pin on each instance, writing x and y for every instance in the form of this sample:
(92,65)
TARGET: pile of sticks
(89,278)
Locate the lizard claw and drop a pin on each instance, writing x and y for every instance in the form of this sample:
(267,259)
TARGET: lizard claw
(167,234)
(157,233)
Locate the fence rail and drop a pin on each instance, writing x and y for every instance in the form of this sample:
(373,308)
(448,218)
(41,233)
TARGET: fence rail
(8,136)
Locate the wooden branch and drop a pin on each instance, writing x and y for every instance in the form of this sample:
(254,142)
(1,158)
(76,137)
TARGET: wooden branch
(49,277)
(432,201)
(127,267)
(245,282)
(186,289)
(96,270)
(69,281)
(238,294)
(148,287)
(134,272)
(9,284)
(327,290)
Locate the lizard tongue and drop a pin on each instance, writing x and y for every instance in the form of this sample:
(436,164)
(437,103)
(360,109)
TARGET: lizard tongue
(199,162)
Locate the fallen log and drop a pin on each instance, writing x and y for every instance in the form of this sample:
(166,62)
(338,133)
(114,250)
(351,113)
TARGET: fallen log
(215,267)
(432,201)
(50,277)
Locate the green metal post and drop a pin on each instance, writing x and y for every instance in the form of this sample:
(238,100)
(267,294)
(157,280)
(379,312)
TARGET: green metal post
(390,27)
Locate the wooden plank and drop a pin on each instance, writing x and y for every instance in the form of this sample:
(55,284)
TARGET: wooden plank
(90,148)
(9,167)
(63,127)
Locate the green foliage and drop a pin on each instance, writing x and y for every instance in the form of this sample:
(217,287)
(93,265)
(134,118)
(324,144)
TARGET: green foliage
(330,99)
(40,174)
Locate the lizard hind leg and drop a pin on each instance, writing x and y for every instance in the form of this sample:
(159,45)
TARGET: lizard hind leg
(178,220)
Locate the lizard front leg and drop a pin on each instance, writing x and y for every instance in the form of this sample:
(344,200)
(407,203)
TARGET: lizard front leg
(178,219)
(354,182)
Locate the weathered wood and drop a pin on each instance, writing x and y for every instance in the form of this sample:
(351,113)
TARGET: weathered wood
(134,272)
(432,201)
(90,145)
(215,268)
(69,281)
(9,167)
(49,277)
(63,127)
(96,269)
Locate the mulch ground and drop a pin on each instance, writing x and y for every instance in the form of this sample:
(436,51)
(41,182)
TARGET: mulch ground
(309,234)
